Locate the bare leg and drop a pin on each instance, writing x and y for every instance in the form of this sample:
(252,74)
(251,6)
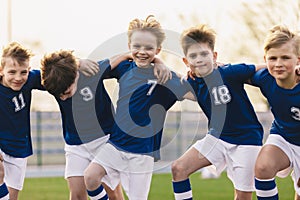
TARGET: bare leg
(116,194)
(93,175)
(77,188)
(270,160)
(187,164)
(297,197)
(182,168)
(13,193)
(242,195)
(1,170)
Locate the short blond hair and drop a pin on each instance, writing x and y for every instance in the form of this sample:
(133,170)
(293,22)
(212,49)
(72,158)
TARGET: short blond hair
(279,35)
(151,25)
(17,52)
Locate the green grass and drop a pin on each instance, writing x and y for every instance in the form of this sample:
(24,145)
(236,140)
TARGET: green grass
(161,188)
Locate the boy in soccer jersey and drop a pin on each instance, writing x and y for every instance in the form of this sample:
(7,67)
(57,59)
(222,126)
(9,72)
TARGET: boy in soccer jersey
(16,83)
(235,135)
(135,142)
(87,114)
(279,84)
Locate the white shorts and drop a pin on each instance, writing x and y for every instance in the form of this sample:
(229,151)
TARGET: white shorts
(133,170)
(14,171)
(78,157)
(238,159)
(293,153)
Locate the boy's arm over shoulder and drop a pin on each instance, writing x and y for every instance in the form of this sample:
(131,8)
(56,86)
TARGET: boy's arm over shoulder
(240,72)
(115,60)
(119,68)
(257,68)
(258,78)
(34,80)
(161,71)
(190,95)
(88,67)
(180,87)
(260,66)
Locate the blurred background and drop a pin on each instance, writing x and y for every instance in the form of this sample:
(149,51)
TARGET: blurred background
(85,25)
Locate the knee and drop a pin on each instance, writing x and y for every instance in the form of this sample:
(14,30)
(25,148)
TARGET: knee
(91,181)
(264,171)
(178,170)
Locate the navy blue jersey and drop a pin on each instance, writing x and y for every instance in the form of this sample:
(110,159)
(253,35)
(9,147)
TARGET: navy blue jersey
(15,137)
(141,108)
(224,101)
(88,114)
(285,106)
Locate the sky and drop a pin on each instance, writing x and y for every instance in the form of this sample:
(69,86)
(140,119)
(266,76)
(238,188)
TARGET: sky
(82,25)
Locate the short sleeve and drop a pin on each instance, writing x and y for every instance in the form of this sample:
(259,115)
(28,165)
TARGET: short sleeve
(34,80)
(240,72)
(258,78)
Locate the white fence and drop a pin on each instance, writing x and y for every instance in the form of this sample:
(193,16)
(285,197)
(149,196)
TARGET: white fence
(180,131)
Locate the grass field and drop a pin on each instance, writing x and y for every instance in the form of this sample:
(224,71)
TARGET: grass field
(161,188)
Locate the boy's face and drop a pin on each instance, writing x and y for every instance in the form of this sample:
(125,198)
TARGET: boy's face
(13,75)
(281,62)
(143,47)
(200,59)
(71,90)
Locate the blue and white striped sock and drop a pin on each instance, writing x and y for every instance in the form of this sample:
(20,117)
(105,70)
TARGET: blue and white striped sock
(98,194)
(4,192)
(266,189)
(182,190)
